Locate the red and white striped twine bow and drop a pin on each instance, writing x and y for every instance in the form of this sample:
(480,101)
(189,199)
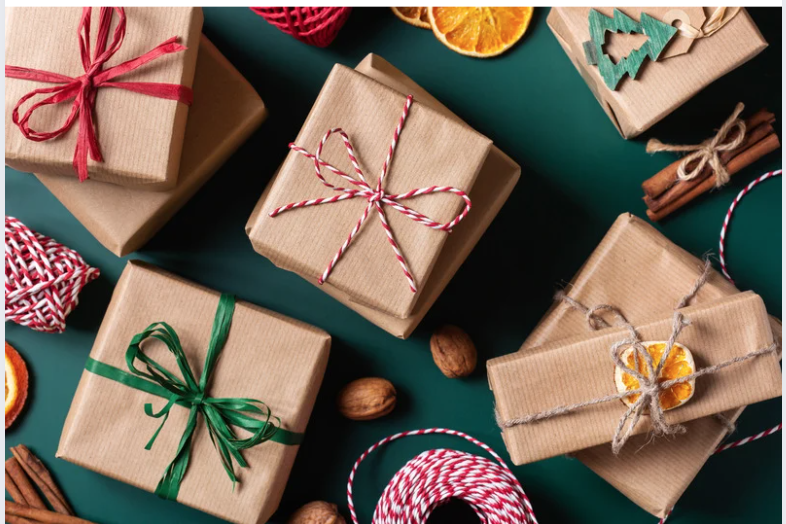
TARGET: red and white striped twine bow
(435,476)
(377,197)
(42,278)
(727,219)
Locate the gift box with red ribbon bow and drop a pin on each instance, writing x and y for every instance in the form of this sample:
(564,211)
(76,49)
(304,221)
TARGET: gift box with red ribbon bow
(100,93)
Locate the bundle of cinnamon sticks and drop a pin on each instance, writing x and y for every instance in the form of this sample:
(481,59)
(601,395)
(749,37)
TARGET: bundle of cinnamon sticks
(22,471)
(664,193)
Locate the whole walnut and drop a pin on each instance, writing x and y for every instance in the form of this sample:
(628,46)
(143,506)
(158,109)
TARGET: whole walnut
(453,352)
(317,512)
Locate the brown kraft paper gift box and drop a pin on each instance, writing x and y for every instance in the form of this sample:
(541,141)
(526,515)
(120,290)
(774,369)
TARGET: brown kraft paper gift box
(660,86)
(494,183)
(267,357)
(633,255)
(225,112)
(140,136)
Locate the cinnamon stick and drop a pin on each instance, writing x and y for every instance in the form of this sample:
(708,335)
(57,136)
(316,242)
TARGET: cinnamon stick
(41,515)
(13,519)
(16,494)
(664,179)
(755,135)
(752,154)
(39,474)
(14,471)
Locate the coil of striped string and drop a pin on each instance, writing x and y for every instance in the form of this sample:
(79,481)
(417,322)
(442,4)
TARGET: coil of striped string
(377,197)
(42,278)
(436,476)
(730,212)
(82,89)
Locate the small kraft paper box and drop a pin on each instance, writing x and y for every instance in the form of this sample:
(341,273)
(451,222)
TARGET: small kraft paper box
(266,356)
(638,270)
(121,79)
(684,67)
(225,112)
(497,175)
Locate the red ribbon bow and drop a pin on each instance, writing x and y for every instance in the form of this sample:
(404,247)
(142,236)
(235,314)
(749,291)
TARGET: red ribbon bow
(82,89)
(376,197)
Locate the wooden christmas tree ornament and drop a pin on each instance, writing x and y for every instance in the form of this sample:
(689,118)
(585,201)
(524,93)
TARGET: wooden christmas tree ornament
(658,35)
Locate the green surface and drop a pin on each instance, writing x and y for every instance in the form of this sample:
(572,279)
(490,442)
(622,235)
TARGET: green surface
(578,175)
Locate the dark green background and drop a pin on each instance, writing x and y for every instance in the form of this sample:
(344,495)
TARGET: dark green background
(578,175)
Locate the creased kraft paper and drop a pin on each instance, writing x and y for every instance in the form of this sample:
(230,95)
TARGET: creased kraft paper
(140,137)
(267,356)
(495,181)
(579,369)
(433,150)
(660,86)
(634,255)
(225,112)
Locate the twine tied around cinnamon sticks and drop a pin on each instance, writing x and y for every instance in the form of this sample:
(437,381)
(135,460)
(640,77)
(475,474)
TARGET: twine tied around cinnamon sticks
(708,152)
(650,387)
(376,197)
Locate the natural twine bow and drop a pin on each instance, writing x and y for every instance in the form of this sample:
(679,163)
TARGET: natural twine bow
(82,89)
(219,413)
(650,387)
(708,151)
(719,18)
(377,197)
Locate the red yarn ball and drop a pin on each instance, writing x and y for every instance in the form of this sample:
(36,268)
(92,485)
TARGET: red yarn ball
(317,26)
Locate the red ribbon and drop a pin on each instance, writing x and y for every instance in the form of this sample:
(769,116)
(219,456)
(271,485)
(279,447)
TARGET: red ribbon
(82,89)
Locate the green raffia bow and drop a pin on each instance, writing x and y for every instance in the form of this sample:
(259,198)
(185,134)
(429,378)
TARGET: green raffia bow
(219,413)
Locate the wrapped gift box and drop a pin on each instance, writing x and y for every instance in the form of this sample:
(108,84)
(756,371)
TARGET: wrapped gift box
(225,112)
(140,136)
(392,306)
(661,86)
(267,357)
(635,256)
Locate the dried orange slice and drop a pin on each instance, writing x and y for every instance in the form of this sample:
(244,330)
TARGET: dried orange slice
(417,16)
(16,380)
(479,31)
(679,364)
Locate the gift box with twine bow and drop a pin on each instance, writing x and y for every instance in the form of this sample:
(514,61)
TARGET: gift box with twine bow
(442,154)
(708,42)
(225,112)
(100,93)
(644,275)
(197,397)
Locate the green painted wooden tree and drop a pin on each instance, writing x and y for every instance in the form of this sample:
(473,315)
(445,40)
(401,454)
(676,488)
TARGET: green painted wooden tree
(658,35)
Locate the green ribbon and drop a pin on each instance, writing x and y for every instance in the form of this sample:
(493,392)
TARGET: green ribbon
(219,413)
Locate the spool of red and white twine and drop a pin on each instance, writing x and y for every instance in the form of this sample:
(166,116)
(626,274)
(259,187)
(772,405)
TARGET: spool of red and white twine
(438,475)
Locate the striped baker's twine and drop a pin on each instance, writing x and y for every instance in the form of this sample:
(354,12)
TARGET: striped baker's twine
(727,219)
(376,197)
(736,444)
(435,476)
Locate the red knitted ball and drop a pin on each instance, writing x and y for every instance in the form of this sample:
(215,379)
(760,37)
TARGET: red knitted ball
(317,26)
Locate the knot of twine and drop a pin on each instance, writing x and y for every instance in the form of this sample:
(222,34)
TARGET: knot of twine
(719,18)
(649,386)
(82,89)
(708,151)
(43,278)
(376,197)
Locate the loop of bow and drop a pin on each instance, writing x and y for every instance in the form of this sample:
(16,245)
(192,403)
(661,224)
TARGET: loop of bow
(708,151)
(218,413)
(82,89)
(376,196)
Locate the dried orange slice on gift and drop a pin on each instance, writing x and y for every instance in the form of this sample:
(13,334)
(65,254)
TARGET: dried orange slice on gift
(479,31)
(16,381)
(417,16)
(679,364)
